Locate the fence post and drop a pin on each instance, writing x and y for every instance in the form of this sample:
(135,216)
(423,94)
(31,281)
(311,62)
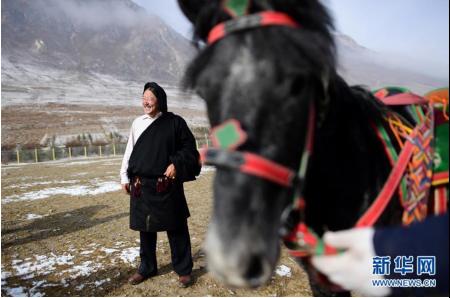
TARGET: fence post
(70,152)
(100,150)
(196,143)
(85,151)
(36,155)
(53,153)
(114,149)
(18,156)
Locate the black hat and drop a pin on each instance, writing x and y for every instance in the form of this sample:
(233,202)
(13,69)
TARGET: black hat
(160,94)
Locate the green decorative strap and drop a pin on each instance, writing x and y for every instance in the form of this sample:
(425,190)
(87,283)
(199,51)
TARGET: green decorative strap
(237,8)
(392,153)
(417,112)
(441,154)
(228,136)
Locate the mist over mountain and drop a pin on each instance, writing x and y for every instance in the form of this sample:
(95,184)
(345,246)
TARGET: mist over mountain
(112,37)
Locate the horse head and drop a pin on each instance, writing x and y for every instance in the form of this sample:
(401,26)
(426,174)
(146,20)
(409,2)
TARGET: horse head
(266,78)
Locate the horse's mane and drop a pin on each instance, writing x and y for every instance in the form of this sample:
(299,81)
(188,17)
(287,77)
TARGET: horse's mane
(359,95)
(347,140)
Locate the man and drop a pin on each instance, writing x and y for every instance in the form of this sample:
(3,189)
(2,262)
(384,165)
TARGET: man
(160,156)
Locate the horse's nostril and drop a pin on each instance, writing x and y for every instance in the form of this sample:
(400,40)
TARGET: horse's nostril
(255,269)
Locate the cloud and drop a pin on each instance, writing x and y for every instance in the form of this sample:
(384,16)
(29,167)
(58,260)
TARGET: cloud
(98,13)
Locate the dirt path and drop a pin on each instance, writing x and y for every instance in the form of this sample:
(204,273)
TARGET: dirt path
(65,233)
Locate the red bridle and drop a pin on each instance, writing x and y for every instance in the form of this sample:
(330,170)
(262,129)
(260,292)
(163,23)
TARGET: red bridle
(247,162)
(263,19)
(258,166)
(250,164)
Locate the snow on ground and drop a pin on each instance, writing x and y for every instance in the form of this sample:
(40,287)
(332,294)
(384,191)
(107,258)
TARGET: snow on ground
(84,269)
(67,162)
(283,270)
(42,265)
(65,267)
(83,162)
(32,216)
(29,185)
(80,287)
(87,252)
(206,169)
(108,250)
(130,255)
(104,187)
(96,186)
(16,292)
(5,275)
(75,190)
(80,174)
(100,282)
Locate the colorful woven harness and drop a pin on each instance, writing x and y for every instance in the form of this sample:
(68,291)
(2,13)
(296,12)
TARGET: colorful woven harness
(424,186)
(415,183)
(412,166)
(412,163)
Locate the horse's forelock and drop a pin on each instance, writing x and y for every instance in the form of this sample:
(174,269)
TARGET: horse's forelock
(311,14)
(312,41)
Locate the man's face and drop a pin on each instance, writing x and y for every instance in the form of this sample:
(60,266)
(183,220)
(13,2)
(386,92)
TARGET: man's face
(150,103)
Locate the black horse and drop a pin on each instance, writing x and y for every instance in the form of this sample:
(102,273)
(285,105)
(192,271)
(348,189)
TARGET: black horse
(266,78)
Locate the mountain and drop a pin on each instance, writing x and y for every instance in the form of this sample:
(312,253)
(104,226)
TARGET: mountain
(110,37)
(362,66)
(103,51)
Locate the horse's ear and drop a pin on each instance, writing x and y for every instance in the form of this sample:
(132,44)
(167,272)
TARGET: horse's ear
(191,8)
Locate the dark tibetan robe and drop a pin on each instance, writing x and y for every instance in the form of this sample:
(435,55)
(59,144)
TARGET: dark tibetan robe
(167,140)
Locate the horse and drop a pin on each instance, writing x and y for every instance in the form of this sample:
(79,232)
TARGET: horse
(267,71)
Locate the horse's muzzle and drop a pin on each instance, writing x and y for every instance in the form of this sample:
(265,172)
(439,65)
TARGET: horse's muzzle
(245,264)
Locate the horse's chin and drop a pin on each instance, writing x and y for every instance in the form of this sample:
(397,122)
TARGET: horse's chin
(242,265)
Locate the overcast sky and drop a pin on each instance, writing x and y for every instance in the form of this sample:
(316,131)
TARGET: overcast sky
(407,29)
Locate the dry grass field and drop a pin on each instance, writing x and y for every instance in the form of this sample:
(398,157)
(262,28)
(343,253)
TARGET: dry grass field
(65,232)
(30,124)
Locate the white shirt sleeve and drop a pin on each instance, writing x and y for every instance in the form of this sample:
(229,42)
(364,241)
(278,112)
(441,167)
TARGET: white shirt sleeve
(126,157)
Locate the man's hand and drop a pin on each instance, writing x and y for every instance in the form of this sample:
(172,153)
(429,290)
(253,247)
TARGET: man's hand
(351,269)
(126,188)
(171,172)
